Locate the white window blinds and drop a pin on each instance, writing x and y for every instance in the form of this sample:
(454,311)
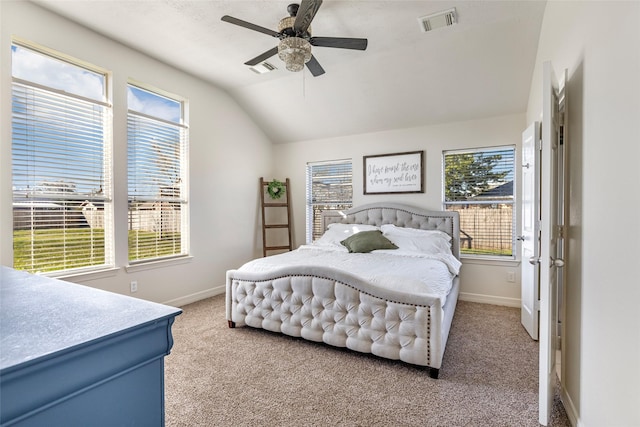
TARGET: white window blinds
(61,164)
(479,185)
(157,159)
(329,186)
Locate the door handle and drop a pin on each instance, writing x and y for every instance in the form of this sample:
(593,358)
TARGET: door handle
(520,238)
(557,262)
(534,260)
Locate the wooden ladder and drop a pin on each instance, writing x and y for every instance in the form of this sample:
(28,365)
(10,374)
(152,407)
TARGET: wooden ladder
(286,204)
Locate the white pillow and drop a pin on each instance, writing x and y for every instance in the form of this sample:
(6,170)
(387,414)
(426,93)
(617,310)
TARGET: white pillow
(415,240)
(337,232)
(407,231)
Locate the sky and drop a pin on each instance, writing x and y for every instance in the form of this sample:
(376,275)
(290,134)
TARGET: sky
(49,71)
(30,171)
(143,101)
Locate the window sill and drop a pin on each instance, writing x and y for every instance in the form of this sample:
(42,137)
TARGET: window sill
(151,265)
(86,275)
(490,261)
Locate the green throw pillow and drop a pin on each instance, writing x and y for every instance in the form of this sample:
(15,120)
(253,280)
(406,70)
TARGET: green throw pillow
(367,241)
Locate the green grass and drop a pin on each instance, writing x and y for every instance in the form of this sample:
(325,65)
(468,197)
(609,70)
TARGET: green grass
(490,252)
(64,249)
(144,244)
(57,249)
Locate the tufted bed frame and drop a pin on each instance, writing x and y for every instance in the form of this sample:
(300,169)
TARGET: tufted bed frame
(389,324)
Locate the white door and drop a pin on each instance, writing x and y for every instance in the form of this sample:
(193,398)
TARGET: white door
(530,241)
(550,222)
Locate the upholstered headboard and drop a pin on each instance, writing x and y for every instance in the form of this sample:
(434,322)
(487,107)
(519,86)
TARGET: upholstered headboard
(399,215)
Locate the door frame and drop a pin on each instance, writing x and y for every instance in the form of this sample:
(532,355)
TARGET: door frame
(553,218)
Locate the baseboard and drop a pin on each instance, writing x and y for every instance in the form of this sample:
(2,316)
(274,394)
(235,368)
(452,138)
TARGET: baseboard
(489,299)
(569,408)
(188,299)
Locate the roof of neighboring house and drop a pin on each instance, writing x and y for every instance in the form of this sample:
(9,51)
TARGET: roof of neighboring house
(504,190)
(36,204)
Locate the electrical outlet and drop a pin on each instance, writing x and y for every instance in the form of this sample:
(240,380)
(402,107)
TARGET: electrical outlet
(511,276)
(134,286)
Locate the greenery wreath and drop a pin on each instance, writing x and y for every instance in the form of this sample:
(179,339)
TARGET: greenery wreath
(276,189)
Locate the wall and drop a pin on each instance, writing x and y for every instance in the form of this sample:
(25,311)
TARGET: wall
(599,44)
(480,281)
(228,154)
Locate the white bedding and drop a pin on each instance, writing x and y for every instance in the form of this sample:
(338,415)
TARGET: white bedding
(428,275)
(345,291)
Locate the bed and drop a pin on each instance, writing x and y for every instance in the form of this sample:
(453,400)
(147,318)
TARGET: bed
(389,290)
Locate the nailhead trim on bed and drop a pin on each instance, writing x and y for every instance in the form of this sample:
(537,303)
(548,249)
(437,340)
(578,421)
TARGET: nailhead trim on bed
(318,309)
(342,283)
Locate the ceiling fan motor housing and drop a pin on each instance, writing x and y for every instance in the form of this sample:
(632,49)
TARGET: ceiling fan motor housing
(285,28)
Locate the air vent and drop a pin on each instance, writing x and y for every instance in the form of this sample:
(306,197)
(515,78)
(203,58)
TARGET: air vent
(263,67)
(431,22)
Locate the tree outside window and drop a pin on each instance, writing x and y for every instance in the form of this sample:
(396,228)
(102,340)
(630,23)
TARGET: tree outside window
(479,185)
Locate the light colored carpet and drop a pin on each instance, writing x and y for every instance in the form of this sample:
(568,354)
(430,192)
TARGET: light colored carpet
(217,376)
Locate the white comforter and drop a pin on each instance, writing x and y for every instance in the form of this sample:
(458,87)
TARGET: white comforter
(402,271)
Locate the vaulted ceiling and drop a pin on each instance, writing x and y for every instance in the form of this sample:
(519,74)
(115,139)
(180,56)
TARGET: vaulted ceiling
(480,67)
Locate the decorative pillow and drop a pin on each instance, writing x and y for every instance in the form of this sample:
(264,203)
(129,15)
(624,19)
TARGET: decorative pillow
(367,241)
(415,240)
(337,232)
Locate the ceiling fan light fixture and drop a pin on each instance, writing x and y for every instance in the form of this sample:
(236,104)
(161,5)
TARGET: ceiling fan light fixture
(295,52)
(286,22)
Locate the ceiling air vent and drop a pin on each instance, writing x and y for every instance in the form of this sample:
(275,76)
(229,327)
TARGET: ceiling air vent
(438,20)
(263,67)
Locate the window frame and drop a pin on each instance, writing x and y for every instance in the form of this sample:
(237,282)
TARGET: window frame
(512,201)
(183,179)
(311,218)
(49,94)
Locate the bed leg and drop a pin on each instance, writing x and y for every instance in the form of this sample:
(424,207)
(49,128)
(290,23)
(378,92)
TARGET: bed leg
(433,373)
(232,324)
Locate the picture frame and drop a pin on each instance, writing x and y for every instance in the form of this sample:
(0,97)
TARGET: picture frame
(393,173)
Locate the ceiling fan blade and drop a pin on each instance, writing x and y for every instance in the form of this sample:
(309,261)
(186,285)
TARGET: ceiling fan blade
(314,66)
(258,59)
(249,25)
(340,42)
(306,12)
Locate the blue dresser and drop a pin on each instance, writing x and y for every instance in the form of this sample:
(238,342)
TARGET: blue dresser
(72,355)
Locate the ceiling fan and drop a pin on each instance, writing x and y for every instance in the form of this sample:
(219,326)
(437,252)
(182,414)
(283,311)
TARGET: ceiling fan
(295,38)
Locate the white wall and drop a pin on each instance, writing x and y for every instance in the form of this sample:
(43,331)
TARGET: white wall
(599,44)
(480,281)
(228,154)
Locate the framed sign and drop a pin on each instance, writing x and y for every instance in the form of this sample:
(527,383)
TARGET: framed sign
(394,173)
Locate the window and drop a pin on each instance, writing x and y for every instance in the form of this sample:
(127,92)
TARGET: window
(329,186)
(479,185)
(61,163)
(157,175)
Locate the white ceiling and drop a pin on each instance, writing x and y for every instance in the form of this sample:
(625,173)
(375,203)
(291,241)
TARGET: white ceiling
(479,68)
